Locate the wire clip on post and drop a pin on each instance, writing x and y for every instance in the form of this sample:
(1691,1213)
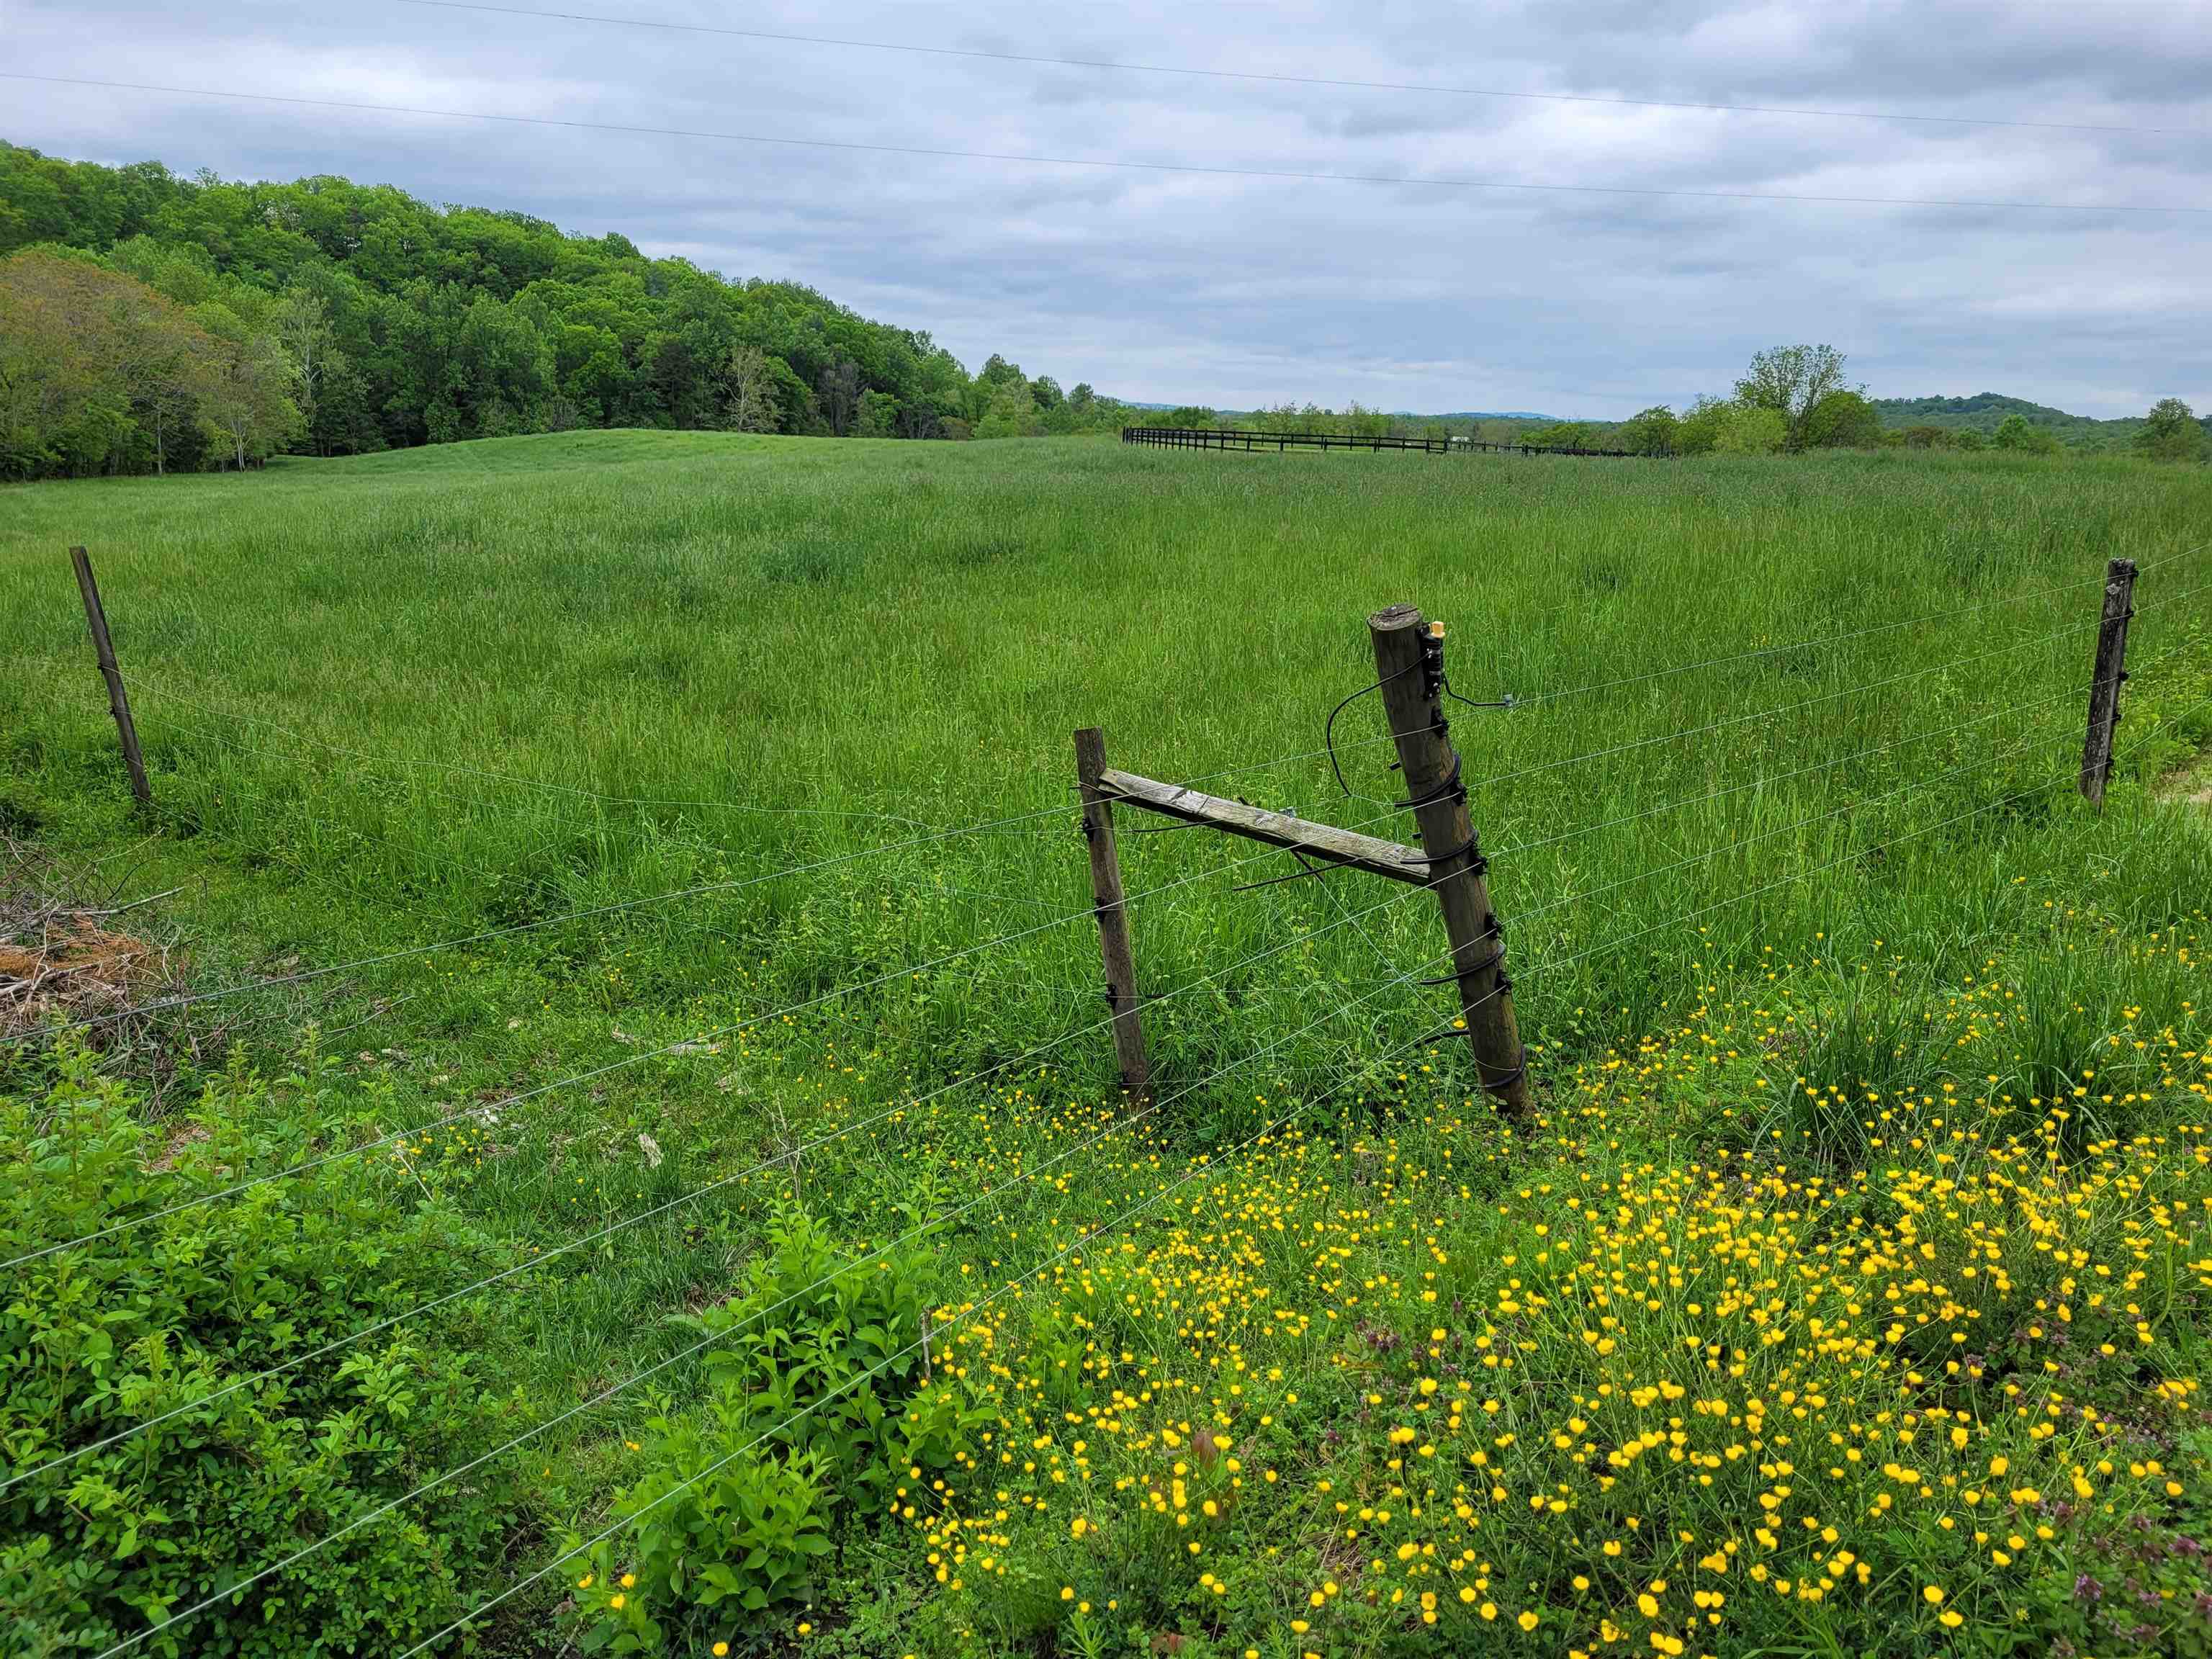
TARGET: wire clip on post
(1404,641)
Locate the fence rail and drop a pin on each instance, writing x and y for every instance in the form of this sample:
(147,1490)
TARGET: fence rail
(1195,437)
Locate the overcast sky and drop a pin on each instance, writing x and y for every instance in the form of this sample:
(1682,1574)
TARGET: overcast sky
(1236,291)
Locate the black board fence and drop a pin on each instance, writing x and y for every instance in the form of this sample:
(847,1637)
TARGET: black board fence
(1194,437)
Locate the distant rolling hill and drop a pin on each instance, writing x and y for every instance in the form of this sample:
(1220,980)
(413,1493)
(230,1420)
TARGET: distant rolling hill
(1985,412)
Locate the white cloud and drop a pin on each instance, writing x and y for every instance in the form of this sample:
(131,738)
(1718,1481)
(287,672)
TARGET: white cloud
(1236,290)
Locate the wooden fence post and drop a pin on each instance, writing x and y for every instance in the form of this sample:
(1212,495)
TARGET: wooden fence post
(1409,662)
(2104,683)
(118,702)
(1113,911)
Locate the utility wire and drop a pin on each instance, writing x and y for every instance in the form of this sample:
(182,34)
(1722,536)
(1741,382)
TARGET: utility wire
(1333,82)
(1299,175)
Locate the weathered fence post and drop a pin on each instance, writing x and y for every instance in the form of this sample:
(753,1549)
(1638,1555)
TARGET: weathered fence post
(118,702)
(2111,673)
(1113,911)
(1409,665)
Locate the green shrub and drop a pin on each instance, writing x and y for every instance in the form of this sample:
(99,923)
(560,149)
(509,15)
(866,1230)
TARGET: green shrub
(817,1412)
(168,1309)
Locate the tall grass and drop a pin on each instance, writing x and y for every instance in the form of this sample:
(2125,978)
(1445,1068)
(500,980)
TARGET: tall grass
(398,700)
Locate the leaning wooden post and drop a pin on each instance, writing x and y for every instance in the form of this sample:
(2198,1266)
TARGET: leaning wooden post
(2111,673)
(1113,911)
(118,702)
(1409,663)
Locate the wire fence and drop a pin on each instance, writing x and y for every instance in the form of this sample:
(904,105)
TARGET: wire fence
(1849,813)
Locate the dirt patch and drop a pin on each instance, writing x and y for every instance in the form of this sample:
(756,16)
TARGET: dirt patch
(2192,784)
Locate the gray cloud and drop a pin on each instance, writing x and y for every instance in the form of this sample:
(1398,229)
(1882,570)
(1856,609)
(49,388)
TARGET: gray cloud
(1239,290)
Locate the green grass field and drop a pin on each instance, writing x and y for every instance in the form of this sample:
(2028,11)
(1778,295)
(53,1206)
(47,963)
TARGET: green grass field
(1848,1018)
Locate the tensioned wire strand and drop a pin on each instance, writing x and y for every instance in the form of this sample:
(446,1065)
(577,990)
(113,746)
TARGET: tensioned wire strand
(785,1157)
(781,1158)
(628,1061)
(224,711)
(1264,77)
(1835,639)
(696,890)
(906,970)
(1525,846)
(703,889)
(1115,164)
(632,1059)
(1252,767)
(610,1531)
(1026,1176)
(1514,848)
(1780,709)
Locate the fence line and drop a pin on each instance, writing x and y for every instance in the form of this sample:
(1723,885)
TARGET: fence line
(1273,1128)
(632,1059)
(1347,918)
(1238,440)
(905,970)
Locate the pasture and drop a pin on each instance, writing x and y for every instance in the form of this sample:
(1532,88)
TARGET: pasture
(640,870)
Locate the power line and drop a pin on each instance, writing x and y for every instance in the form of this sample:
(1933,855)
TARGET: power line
(1334,82)
(1189,168)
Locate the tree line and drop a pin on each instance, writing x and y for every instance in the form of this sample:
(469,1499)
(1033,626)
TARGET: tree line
(1790,399)
(151,323)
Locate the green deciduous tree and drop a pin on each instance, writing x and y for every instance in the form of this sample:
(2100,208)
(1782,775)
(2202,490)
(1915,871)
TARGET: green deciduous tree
(2171,433)
(1792,381)
(1750,429)
(1843,419)
(1653,431)
(405,323)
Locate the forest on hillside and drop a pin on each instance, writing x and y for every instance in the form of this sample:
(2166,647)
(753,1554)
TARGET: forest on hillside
(151,322)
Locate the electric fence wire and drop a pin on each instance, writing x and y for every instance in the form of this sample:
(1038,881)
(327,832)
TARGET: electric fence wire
(1011,1286)
(1113,164)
